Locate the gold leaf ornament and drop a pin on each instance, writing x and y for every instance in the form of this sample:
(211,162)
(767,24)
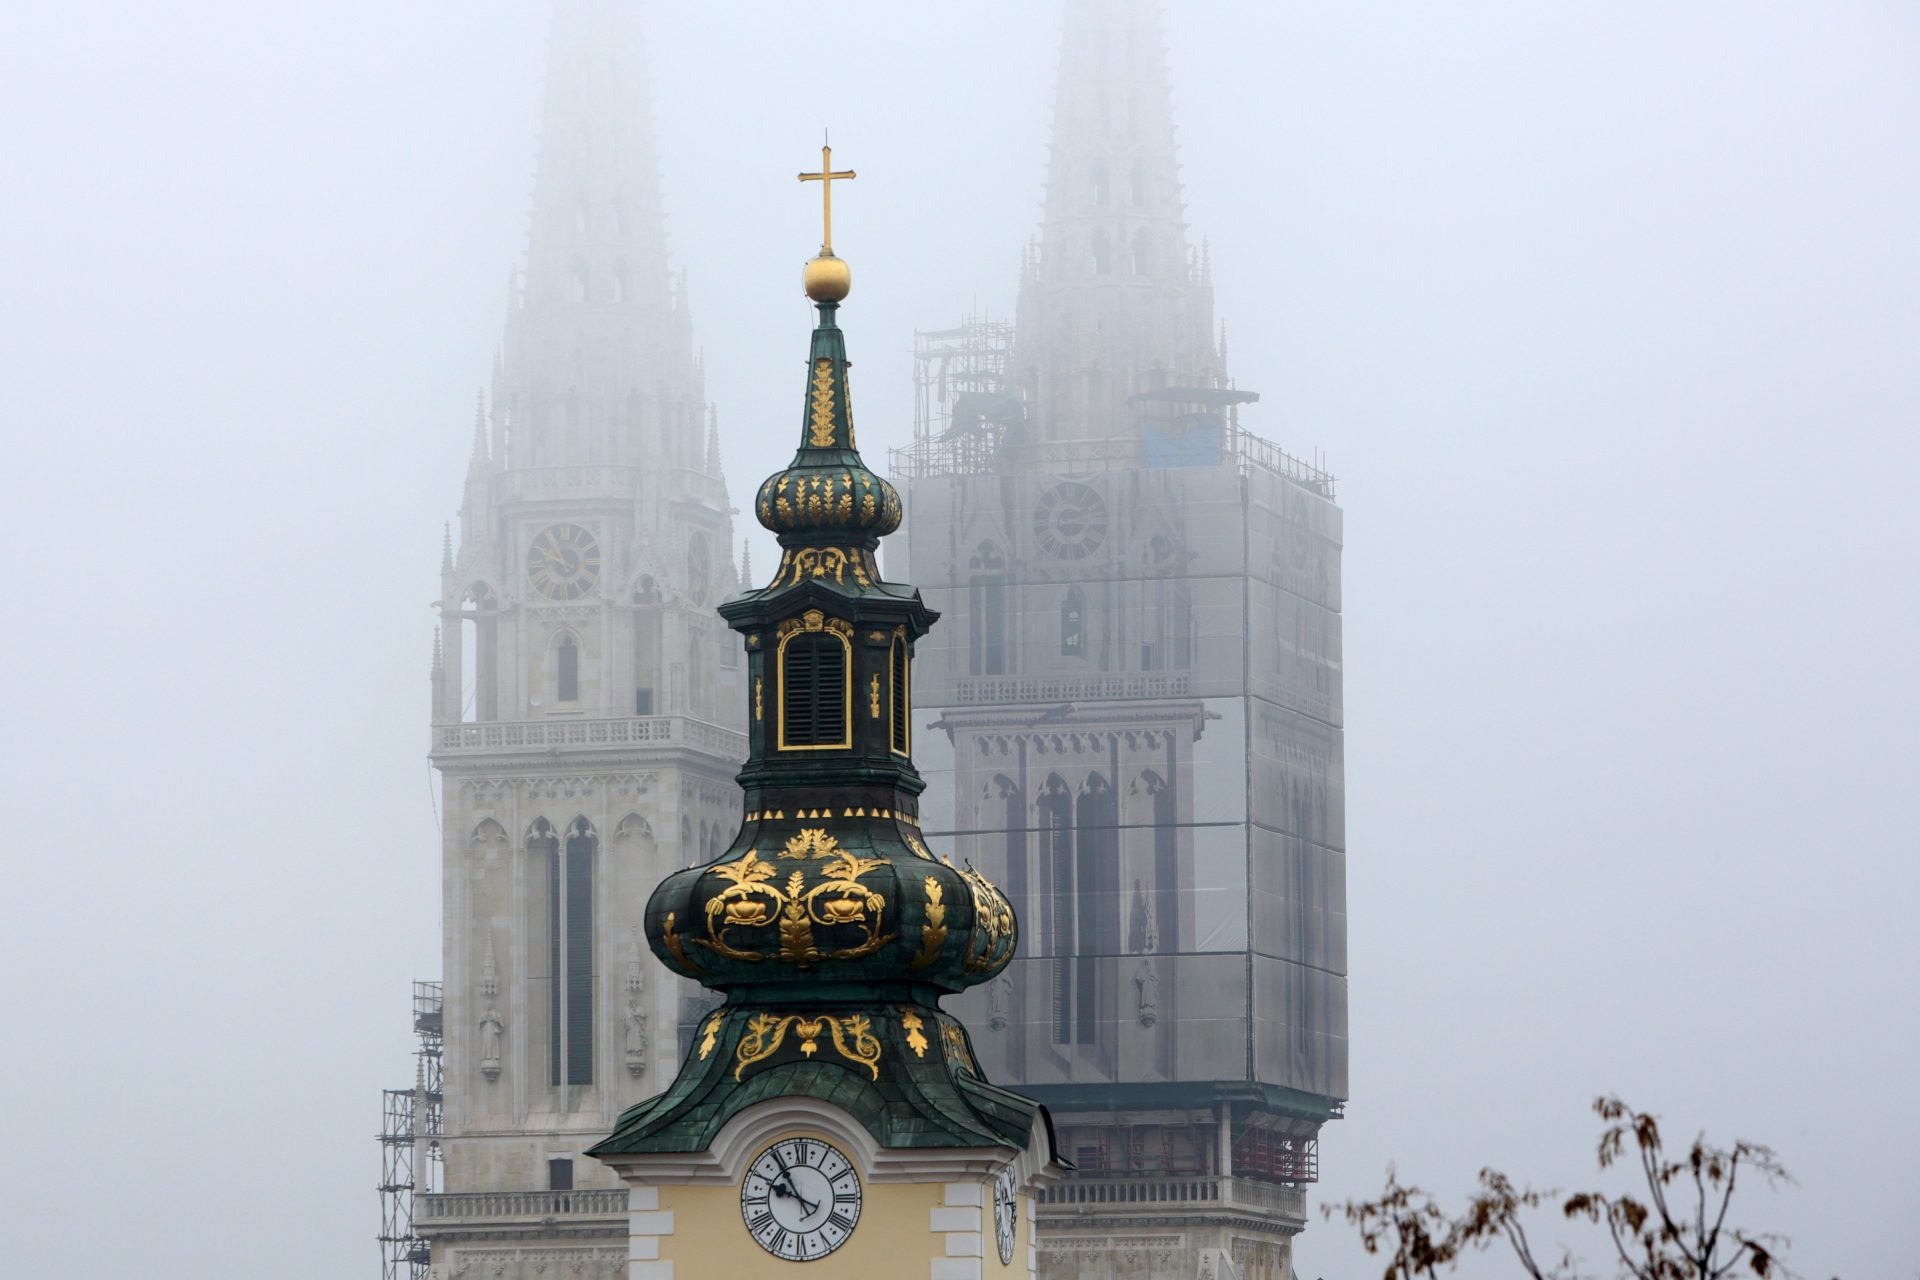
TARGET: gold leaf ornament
(820,427)
(934,933)
(915,1029)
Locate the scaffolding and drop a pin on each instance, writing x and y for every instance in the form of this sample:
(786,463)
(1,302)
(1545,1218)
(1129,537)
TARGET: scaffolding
(410,1155)
(967,419)
(962,401)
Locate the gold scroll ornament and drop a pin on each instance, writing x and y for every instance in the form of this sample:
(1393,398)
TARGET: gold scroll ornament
(992,943)
(852,1037)
(753,900)
(835,563)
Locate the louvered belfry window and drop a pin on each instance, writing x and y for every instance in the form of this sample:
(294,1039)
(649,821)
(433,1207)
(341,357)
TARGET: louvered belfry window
(902,674)
(813,691)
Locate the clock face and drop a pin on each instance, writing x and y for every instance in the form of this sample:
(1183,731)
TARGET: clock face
(564,562)
(1006,1210)
(800,1199)
(1070,521)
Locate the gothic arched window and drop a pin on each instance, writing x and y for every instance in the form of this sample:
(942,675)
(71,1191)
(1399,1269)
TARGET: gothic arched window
(815,703)
(1102,185)
(561,936)
(567,669)
(900,676)
(576,958)
(1102,253)
(1073,624)
(1137,189)
(986,612)
(582,289)
(1097,876)
(1142,253)
(1055,813)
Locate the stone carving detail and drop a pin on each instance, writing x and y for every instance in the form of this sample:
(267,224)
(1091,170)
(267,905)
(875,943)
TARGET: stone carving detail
(1146,974)
(492,1030)
(637,1041)
(997,995)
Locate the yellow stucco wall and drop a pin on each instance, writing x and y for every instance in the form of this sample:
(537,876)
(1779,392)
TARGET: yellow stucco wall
(904,1229)
(710,1240)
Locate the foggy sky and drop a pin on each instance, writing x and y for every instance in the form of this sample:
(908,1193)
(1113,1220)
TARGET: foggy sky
(1604,314)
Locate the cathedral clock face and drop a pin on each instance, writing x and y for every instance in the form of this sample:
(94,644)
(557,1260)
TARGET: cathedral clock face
(1070,521)
(801,1199)
(564,562)
(1006,1210)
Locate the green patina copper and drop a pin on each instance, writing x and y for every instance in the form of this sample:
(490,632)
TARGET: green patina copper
(828,924)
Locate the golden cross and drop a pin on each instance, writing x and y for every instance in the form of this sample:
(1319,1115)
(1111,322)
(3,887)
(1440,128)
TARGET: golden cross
(826,178)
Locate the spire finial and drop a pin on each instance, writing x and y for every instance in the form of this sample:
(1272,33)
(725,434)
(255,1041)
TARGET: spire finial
(746,564)
(827,278)
(446,547)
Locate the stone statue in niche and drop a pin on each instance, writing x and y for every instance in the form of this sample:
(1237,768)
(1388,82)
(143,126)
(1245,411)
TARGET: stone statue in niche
(492,1030)
(638,1043)
(1146,975)
(997,1004)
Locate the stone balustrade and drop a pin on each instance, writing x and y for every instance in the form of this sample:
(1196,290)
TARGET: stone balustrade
(1080,1194)
(537,1205)
(521,735)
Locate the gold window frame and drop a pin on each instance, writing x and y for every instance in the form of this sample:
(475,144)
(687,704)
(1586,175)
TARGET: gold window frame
(809,623)
(900,672)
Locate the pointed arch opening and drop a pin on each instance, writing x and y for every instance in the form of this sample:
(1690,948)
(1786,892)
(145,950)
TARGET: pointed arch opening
(561,937)
(1073,624)
(478,654)
(1102,253)
(1097,898)
(566,664)
(577,959)
(987,611)
(1054,817)
(1143,262)
(1102,185)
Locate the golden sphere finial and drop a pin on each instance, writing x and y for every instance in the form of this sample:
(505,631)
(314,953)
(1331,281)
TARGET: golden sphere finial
(827,278)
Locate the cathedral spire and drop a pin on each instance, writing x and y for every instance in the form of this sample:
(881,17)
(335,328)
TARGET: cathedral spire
(1115,304)
(598,364)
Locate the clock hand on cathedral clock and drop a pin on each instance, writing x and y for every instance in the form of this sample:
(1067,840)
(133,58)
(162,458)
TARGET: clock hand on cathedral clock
(783,1185)
(807,1206)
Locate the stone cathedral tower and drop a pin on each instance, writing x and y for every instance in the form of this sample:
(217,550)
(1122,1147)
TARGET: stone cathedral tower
(1139,691)
(587,715)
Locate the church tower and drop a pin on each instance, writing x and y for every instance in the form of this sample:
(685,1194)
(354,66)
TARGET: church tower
(1132,717)
(587,714)
(831,1115)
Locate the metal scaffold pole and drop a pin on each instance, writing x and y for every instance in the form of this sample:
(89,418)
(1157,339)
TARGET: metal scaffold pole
(410,1154)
